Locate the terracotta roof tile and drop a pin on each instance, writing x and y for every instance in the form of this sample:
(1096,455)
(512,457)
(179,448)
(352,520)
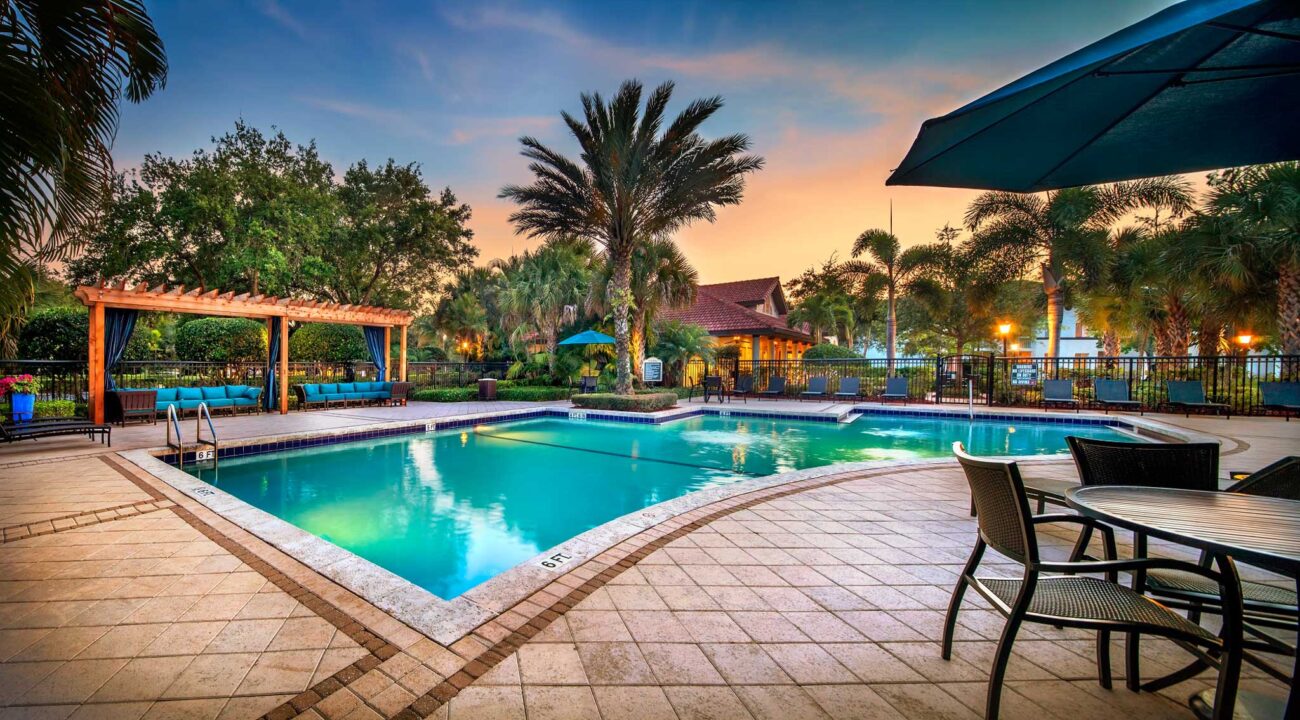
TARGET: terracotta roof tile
(723,317)
(743,291)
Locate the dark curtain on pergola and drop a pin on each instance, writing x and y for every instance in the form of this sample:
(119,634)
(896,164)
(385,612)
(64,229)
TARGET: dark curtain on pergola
(118,326)
(378,353)
(272,365)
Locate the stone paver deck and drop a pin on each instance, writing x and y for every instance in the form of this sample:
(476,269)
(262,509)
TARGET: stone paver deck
(822,599)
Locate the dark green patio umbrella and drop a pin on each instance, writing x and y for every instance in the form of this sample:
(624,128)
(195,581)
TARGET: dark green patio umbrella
(588,337)
(1201,85)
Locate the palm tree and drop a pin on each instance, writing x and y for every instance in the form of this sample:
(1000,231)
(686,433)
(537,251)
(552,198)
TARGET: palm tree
(825,309)
(544,292)
(66,65)
(1262,203)
(635,180)
(949,286)
(893,269)
(662,279)
(677,343)
(1063,232)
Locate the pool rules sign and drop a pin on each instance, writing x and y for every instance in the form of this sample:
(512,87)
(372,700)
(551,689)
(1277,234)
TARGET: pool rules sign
(652,370)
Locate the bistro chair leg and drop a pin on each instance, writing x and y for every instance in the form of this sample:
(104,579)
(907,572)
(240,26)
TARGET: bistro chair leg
(1103,658)
(1000,660)
(954,605)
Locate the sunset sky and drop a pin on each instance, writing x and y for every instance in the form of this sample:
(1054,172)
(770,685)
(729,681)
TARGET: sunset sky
(832,95)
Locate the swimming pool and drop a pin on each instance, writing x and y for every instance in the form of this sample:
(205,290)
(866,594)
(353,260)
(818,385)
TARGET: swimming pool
(450,509)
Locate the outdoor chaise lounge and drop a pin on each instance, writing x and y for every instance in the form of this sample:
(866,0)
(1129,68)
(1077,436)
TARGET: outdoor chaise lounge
(1060,393)
(1283,397)
(816,389)
(1064,594)
(1189,395)
(850,389)
(1114,395)
(744,388)
(775,387)
(895,389)
(54,428)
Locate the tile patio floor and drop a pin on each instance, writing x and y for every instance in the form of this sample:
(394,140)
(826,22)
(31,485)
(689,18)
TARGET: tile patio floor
(821,601)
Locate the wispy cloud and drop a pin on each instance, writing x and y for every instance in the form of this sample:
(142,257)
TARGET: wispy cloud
(473,130)
(394,121)
(284,18)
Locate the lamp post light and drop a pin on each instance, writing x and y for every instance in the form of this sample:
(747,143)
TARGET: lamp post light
(1004,330)
(1244,340)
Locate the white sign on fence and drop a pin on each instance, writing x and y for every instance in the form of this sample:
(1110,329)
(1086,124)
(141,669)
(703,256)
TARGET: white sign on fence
(652,370)
(1024,374)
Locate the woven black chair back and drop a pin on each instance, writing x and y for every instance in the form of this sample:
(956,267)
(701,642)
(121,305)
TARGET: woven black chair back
(1279,480)
(1000,505)
(1183,466)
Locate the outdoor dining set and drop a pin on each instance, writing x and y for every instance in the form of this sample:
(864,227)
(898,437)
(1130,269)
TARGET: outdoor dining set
(1169,491)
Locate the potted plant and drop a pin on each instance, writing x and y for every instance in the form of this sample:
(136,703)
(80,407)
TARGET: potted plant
(21,390)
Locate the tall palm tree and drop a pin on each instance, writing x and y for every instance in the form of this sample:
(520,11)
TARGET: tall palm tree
(823,310)
(66,65)
(662,279)
(1263,203)
(950,287)
(894,268)
(1063,233)
(634,180)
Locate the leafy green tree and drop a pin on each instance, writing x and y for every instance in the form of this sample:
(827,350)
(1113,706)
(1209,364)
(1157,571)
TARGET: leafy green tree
(395,241)
(328,343)
(829,351)
(954,293)
(635,180)
(66,67)
(221,339)
(1062,233)
(677,343)
(60,333)
(825,309)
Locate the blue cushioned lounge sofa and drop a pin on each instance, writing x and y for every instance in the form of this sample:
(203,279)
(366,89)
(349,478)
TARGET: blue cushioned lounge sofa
(230,398)
(353,393)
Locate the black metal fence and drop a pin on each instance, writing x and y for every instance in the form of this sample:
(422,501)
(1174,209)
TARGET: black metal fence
(1017,381)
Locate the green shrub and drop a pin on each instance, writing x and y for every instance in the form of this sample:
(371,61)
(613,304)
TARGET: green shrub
(63,333)
(645,402)
(453,394)
(531,393)
(222,340)
(827,351)
(328,343)
(46,409)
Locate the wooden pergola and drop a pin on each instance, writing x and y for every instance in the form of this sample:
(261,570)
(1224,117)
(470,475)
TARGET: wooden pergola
(214,302)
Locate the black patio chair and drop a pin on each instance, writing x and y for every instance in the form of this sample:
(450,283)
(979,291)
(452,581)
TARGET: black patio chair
(775,387)
(39,429)
(1114,395)
(1059,392)
(1072,599)
(714,386)
(1283,397)
(896,389)
(588,384)
(1189,395)
(850,389)
(816,389)
(744,388)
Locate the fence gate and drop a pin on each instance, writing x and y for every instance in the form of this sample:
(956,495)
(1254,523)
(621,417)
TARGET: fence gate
(958,377)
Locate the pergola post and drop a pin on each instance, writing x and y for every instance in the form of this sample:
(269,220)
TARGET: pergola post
(96,362)
(402,350)
(388,352)
(284,365)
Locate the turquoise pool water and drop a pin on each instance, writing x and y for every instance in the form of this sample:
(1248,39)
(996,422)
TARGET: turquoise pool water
(451,509)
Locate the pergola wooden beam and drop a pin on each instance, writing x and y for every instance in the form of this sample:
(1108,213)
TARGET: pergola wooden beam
(201,301)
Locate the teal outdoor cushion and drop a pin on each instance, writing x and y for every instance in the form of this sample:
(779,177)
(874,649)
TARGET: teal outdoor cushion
(329,388)
(188,393)
(243,402)
(376,395)
(190,404)
(347,387)
(335,396)
(162,406)
(165,394)
(311,388)
(236,391)
(253,393)
(219,402)
(214,393)
(386,387)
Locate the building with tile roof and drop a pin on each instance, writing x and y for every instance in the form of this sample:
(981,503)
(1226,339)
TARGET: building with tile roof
(750,314)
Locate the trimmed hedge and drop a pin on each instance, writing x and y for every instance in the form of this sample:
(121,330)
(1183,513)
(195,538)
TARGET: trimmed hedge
(45,409)
(221,339)
(645,402)
(827,351)
(328,343)
(62,333)
(532,393)
(456,394)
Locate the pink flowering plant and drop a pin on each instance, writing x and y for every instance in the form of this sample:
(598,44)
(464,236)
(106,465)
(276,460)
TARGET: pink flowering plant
(20,384)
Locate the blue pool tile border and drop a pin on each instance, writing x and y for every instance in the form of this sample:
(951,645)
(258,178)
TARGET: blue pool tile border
(419,428)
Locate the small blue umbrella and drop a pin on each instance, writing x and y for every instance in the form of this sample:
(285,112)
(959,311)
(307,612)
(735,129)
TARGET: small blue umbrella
(1201,85)
(588,337)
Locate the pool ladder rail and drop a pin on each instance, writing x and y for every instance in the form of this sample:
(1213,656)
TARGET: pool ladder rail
(173,422)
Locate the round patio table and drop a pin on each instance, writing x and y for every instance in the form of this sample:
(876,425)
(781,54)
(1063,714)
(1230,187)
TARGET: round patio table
(1259,530)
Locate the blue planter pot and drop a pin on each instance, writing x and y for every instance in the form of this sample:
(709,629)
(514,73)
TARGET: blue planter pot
(22,404)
